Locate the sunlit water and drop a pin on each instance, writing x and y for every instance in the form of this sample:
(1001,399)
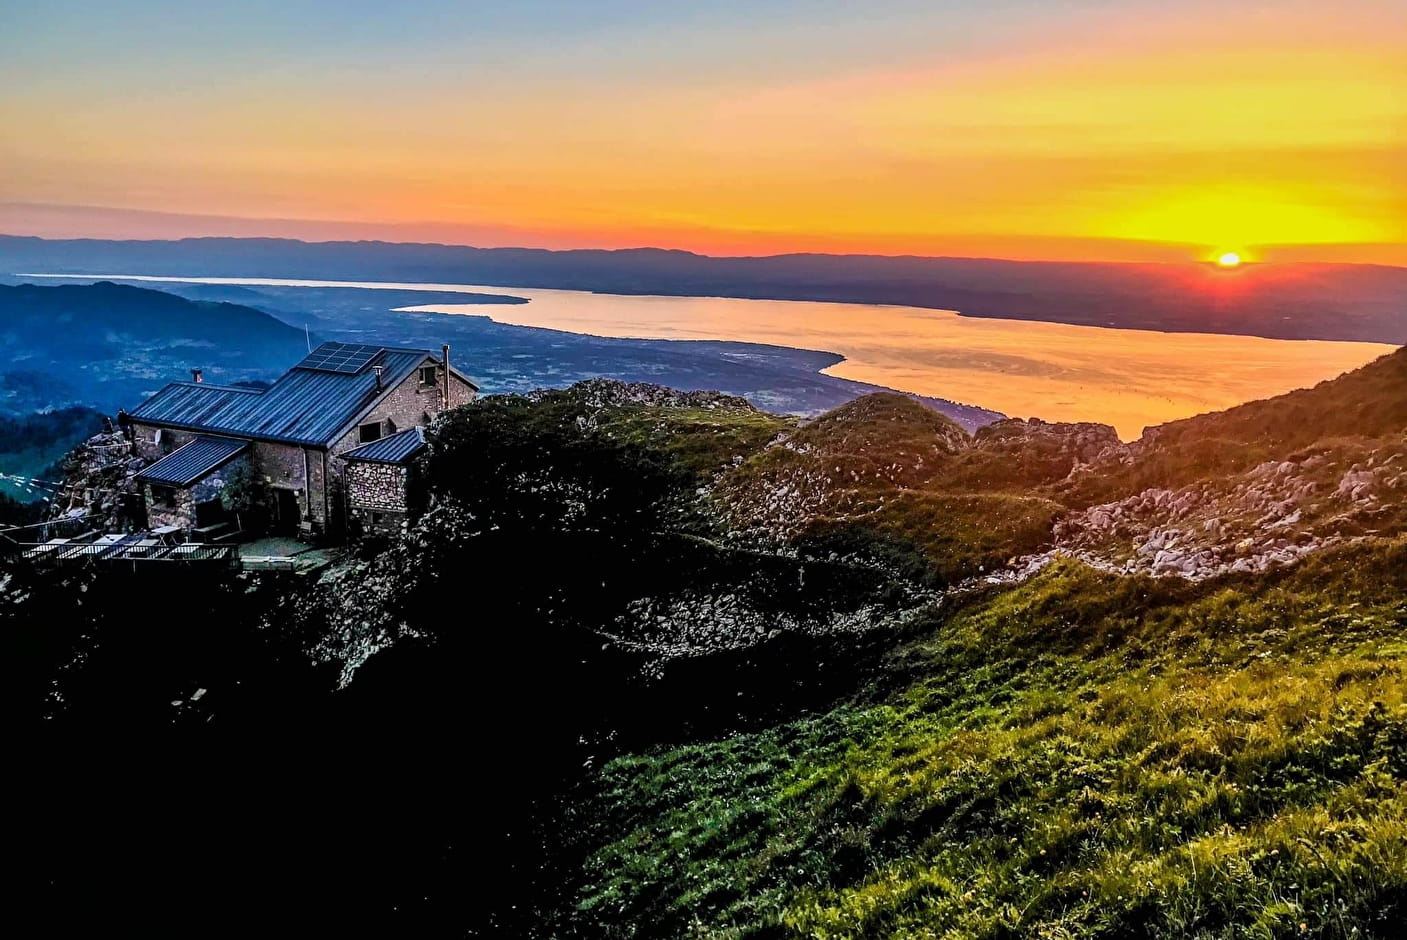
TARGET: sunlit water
(1127,378)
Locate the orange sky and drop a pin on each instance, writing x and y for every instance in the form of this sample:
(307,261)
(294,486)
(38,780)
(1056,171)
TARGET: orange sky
(1130,131)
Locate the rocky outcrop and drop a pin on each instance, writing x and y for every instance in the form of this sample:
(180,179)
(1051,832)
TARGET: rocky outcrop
(1078,442)
(838,463)
(100,483)
(1272,515)
(608,393)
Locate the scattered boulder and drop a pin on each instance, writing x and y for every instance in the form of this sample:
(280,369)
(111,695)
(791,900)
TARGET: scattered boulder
(1357,485)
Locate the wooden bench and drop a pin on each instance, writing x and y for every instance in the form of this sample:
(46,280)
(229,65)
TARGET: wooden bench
(267,562)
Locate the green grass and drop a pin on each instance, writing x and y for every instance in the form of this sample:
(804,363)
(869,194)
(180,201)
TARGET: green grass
(699,441)
(940,537)
(1083,756)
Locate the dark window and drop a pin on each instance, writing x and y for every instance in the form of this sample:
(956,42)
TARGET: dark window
(163,497)
(210,512)
(429,375)
(369,432)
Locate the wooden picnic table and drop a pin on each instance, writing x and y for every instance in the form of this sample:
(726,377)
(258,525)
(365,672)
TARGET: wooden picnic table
(140,548)
(165,532)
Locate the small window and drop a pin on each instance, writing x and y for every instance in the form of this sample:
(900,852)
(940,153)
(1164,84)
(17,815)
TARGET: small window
(369,432)
(163,497)
(429,375)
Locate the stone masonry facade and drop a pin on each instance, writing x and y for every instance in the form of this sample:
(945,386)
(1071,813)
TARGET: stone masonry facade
(376,497)
(316,475)
(180,510)
(376,486)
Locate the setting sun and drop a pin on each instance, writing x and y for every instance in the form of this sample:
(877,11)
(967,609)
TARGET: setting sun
(1229,260)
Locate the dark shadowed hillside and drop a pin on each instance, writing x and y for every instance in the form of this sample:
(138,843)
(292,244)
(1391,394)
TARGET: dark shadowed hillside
(108,345)
(658,664)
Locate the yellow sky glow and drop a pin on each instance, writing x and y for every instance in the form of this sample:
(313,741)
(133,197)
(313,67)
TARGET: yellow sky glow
(1199,138)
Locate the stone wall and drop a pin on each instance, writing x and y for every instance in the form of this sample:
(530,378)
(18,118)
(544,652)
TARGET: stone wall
(182,512)
(146,445)
(283,467)
(376,486)
(409,404)
(460,392)
(378,522)
(376,496)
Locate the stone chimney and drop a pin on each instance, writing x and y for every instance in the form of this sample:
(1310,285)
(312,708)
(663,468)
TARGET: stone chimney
(444,354)
(197,376)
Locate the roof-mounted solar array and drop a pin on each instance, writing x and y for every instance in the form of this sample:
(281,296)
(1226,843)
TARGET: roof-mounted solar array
(344,358)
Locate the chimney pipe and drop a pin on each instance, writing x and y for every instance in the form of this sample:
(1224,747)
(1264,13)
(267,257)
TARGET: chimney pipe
(197,376)
(376,371)
(444,352)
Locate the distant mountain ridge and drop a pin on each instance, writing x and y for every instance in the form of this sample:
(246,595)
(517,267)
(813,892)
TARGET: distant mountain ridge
(1293,301)
(105,345)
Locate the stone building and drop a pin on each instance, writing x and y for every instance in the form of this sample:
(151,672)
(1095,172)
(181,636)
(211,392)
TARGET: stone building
(380,491)
(339,399)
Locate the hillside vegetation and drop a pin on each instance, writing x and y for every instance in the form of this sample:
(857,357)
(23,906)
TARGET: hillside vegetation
(31,448)
(657,664)
(108,345)
(1083,755)
(1369,403)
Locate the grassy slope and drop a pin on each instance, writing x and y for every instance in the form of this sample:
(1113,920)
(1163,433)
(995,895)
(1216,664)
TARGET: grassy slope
(885,477)
(1081,756)
(699,441)
(1369,403)
(943,537)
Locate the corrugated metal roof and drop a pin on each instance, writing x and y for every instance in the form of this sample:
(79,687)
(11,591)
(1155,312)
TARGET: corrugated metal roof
(184,465)
(188,403)
(397,448)
(305,406)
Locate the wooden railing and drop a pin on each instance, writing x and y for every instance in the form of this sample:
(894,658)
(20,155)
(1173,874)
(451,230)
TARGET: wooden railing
(39,532)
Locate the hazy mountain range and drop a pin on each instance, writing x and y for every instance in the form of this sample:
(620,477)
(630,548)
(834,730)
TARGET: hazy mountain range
(1292,301)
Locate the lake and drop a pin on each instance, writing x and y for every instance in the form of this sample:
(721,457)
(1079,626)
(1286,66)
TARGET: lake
(1127,378)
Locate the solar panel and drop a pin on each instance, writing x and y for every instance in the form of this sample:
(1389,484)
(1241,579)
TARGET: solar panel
(340,357)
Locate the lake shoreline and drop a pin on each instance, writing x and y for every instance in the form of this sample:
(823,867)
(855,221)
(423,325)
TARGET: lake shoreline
(1129,378)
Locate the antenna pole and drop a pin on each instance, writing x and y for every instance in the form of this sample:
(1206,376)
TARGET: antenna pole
(307,337)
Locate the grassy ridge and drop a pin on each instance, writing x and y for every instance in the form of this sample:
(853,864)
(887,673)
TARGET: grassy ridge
(1081,756)
(699,441)
(1369,403)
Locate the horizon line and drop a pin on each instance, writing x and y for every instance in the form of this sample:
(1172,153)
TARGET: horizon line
(680,251)
(61,222)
